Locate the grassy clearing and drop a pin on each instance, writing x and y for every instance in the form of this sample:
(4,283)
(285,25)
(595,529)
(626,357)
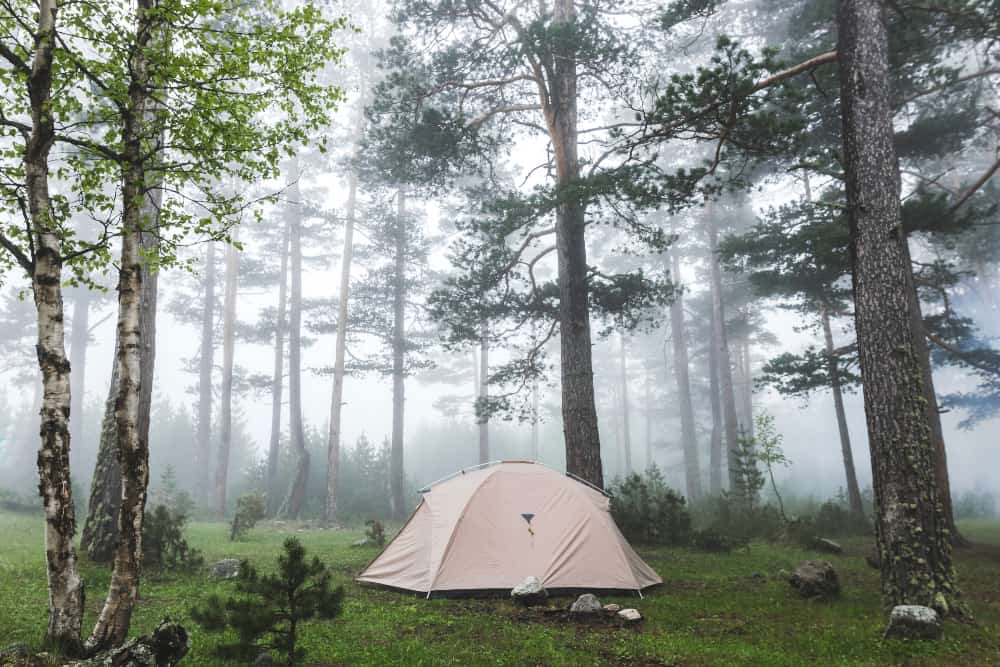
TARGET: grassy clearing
(713,609)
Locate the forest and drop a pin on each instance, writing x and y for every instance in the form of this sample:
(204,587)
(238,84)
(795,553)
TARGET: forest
(426,332)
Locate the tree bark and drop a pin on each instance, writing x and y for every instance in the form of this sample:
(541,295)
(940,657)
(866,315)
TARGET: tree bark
(724,362)
(337,400)
(853,490)
(911,529)
(692,466)
(278,379)
(579,411)
(297,490)
(649,421)
(206,365)
(626,421)
(55,487)
(398,360)
(484,393)
(746,371)
(226,394)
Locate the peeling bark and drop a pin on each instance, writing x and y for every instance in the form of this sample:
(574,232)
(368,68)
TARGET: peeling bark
(911,529)
(65,586)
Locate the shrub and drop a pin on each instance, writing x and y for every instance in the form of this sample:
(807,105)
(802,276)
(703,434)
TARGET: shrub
(163,543)
(249,510)
(647,511)
(268,609)
(710,540)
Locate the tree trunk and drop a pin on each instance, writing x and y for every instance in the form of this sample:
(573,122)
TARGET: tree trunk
(226,394)
(853,490)
(626,421)
(692,467)
(78,341)
(722,344)
(337,400)
(100,530)
(64,583)
(746,371)
(649,421)
(206,365)
(297,490)
(398,358)
(715,447)
(115,618)
(911,530)
(484,393)
(579,411)
(277,379)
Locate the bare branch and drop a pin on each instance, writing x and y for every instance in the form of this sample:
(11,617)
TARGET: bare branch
(975,186)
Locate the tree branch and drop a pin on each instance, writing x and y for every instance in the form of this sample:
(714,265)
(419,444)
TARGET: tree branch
(975,186)
(479,120)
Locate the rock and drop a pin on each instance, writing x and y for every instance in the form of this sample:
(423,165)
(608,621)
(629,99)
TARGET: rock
(164,648)
(874,559)
(227,568)
(586,604)
(826,546)
(912,621)
(612,608)
(630,615)
(815,579)
(529,592)
(264,660)
(756,575)
(364,542)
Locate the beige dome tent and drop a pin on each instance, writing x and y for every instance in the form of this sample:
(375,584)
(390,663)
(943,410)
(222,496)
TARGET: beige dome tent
(490,527)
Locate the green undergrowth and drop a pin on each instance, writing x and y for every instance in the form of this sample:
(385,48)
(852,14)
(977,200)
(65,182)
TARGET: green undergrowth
(713,609)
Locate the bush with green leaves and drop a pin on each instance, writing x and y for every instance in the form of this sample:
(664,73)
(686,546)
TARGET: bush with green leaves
(647,511)
(267,611)
(163,543)
(250,509)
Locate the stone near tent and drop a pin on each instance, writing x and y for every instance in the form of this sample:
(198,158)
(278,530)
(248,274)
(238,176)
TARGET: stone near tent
(586,604)
(612,608)
(912,621)
(529,592)
(227,568)
(164,648)
(815,579)
(827,546)
(630,615)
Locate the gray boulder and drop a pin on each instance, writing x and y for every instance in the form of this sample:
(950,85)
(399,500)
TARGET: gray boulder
(815,579)
(529,592)
(827,546)
(164,648)
(912,621)
(227,568)
(586,604)
(630,615)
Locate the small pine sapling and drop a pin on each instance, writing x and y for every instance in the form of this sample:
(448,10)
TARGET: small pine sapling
(250,509)
(163,543)
(268,610)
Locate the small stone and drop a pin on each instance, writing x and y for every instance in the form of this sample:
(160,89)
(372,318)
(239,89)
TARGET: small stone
(827,546)
(815,579)
(756,575)
(612,608)
(529,592)
(227,568)
(364,542)
(912,621)
(586,604)
(630,615)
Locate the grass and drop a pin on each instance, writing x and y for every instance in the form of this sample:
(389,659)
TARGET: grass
(713,609)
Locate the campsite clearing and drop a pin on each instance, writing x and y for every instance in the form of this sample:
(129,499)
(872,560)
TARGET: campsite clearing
(711,610)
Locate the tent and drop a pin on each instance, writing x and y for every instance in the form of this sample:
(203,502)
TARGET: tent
(488,528)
